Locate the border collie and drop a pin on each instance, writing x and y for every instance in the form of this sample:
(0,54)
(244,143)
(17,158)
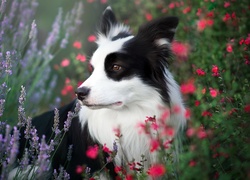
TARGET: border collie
(130,81)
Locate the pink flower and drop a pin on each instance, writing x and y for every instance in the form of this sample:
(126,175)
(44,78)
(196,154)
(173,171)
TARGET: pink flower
(226,17)
(92,38)
(215,70)
(156,170)
(206,114)
(92,152)
(106,149)
(200,72)
(154,145)
(79,169)
(201,24)
(81,57)
(213,92)
(171,5)
(77,45)
(190,132)
(229,48)
(104,1)
(180,49)
(188,88)
(247,108)
(187,113)
(226,4)
(198,13)
(192,163)
(65,63)
(186,10)
(197,103)
(148,16)
(201,134)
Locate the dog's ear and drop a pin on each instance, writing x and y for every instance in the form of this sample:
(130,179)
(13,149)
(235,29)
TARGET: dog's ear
(160,31)
(108,20)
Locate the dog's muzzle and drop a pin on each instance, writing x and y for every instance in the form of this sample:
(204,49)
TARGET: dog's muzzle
(82,93)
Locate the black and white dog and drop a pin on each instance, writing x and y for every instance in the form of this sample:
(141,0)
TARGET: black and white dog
(130,81)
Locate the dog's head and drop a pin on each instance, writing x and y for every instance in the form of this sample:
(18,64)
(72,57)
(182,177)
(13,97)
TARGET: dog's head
(128,69)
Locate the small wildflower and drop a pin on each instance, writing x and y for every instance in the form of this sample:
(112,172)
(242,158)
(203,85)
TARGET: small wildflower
(200,72)
(154,145)
(65,63)
(197,103)
(247,108)
(192,163)
(213,92)
(229,48)
(188,88)
(92,152)
(190,132)
(92,38)
(226,4)
(77,45)
(148,16)
(156,170)
(81,57)
(106,149)
(79,169)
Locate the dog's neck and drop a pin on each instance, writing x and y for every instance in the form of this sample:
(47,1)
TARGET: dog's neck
(132,144)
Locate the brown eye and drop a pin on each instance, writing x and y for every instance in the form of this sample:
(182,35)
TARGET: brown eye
(116,67)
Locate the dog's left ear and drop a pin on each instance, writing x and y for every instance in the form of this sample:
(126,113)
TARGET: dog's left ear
(108,20)
(160,31)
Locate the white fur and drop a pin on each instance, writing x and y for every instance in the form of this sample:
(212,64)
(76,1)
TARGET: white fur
(136,101)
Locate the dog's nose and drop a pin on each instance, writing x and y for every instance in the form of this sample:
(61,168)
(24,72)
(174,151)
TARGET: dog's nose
(82,92)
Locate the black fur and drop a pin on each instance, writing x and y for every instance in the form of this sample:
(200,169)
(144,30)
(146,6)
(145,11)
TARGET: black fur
(77,136)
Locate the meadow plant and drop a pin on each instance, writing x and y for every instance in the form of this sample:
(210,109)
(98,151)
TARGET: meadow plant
(25,64)
(25,59)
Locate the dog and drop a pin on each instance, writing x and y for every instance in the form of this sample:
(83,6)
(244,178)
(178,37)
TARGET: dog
(129,82)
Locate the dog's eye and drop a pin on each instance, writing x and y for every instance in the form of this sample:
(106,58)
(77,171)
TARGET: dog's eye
(116,67)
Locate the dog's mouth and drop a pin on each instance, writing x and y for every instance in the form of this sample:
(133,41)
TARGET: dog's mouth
(99,106)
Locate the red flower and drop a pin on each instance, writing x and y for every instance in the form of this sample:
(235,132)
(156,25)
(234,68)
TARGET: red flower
(156,170)
(192,163)
(118,169)
(92,38)
(202,134)
(106,149)
(226,17)
(190,132)
(79,170)
(168,131)
(92,152)
(201,24)
(229,48)
(148,16)
(129,177)
(104,1)
(186,10)
(198,13)
(65,63)
(187,113)
(188,88)
(226,4)
(207,114)
(197,103)
(213,92)
(180,49)
(171,5)
(154,145)
(77,45)
(215,70)
(81,57)
(247,108)
(200,72)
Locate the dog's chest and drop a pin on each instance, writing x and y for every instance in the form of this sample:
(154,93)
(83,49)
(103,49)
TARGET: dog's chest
(108,126)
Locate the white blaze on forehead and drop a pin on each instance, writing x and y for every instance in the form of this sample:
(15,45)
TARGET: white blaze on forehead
(106,48)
